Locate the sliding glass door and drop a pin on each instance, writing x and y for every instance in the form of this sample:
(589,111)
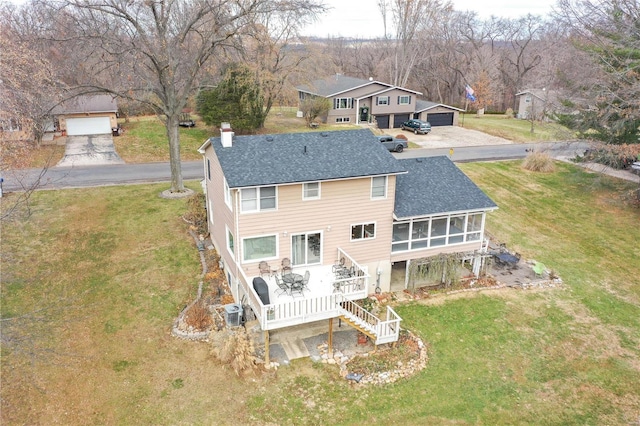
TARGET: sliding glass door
(306,249)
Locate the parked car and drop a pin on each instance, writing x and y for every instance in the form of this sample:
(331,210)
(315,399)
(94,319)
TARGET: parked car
(417,126)
(392,144)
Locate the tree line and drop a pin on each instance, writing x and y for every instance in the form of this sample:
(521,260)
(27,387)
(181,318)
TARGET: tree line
(157,56)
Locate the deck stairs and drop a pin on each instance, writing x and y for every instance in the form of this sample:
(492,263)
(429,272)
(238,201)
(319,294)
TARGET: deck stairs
(378,330)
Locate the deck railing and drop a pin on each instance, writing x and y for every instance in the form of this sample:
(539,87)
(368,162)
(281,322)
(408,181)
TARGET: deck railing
(309,309)
(385,331)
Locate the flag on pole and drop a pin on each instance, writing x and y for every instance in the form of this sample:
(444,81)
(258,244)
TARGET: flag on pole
(469,94)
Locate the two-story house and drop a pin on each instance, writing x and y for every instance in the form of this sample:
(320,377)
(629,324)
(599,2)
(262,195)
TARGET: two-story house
(336,207)
(355,100)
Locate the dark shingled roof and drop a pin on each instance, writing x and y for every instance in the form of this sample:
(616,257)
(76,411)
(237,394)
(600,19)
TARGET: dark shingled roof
(425,105)
(335,84)
(303,157)
(435,185)
(87,104)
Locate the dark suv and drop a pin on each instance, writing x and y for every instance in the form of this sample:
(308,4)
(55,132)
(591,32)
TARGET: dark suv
(397,145)
(417,126)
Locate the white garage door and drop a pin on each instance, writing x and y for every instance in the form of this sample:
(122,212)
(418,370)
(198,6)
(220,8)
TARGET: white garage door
(88,126)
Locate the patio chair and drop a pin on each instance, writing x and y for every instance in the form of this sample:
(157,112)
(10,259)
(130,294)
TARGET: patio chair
(305,280)
(539,269)
(282,287)
(286,266)
(264,268)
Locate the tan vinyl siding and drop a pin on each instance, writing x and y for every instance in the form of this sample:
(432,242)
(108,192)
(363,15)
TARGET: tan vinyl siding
(342,204)
(222,215)
(393,107)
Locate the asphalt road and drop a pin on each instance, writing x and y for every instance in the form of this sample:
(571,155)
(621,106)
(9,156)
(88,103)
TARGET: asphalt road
(122,174)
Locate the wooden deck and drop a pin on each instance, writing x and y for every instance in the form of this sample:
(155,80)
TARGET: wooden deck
(327,297)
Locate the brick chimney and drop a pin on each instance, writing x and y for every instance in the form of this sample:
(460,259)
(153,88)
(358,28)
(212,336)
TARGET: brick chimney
(226,135)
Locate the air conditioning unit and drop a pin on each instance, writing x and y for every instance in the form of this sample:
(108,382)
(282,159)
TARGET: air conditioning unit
(233,314)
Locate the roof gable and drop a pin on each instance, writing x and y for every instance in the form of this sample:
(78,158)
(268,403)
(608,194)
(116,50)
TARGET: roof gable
(303,157)
(337,84)
(427,105)
(435,185)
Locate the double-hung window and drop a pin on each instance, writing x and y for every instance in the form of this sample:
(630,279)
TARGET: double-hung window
(311,191)
(227,194)
(382,100)
(230,242)
(379,187)
(404,100)
(258,199)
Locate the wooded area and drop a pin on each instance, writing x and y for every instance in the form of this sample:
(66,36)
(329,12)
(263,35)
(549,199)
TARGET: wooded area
(157,56)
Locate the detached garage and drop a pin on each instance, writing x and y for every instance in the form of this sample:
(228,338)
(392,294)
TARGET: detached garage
(87,115)
(436,114)
(88,126)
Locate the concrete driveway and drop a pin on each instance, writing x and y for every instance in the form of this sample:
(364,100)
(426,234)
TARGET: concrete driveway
(89,150)
(450,137)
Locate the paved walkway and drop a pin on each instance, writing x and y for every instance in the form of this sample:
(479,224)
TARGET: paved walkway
(601,168)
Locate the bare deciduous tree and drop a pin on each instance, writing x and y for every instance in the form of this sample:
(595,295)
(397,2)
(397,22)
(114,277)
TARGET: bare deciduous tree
(154,51)
(408,18)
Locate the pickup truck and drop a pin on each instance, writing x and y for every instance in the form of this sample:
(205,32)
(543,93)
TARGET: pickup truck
(396,145)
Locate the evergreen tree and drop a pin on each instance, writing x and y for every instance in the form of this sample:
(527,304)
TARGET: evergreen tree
(237,100)
(609,31)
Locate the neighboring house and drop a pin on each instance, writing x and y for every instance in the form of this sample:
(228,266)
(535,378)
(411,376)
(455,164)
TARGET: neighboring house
(87,115)
(11,128)
(354,100)
(437,114)
(537,103)
(328,202)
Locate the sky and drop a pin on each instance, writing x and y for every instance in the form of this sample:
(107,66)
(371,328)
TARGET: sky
(361,18)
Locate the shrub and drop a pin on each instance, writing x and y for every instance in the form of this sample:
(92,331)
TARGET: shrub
(539,162)
(237,351)
(197,213)
(198,317)
(509,113)
(615,156)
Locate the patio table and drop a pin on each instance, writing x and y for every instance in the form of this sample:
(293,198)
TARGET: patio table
(294,281)
(507,259)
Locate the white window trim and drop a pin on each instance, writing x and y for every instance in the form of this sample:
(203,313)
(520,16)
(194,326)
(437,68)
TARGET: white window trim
(249,261)
(306,234)
(386,188)
(317,197)
(375,226)
(227,194)
(465,234)
(407,97)
(379,98)
(343,119)
(337,102)
(258,198)
(227,234)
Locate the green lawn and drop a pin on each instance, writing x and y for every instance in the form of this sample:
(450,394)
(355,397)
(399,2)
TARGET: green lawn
(514,129)
(92,281)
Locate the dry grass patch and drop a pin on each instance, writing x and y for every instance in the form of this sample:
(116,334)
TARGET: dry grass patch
(539,162)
